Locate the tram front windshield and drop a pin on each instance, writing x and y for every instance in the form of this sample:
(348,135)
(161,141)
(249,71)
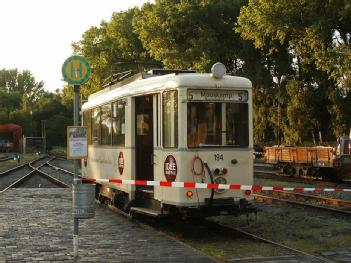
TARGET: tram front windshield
(217,124)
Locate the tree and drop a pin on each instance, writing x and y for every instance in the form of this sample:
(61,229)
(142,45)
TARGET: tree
(9,101)
(314,35)
(23,101)
(22,82)
(58,116)
(316,32)
(191,34)
(113,47)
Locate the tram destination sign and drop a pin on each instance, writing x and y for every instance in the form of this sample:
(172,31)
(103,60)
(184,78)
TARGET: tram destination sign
(217,95)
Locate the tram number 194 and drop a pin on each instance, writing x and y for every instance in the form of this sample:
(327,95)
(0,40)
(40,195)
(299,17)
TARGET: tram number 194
(218,157)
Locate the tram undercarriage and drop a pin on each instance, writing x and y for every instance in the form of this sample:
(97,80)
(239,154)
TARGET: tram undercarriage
(144,203)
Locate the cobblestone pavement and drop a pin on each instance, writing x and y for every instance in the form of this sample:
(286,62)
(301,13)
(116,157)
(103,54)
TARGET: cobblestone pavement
(36,226)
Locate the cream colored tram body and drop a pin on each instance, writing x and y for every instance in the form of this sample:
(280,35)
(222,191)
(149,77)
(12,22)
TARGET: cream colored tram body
(177,127)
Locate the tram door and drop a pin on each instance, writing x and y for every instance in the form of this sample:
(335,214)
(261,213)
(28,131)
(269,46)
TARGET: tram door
(144,138)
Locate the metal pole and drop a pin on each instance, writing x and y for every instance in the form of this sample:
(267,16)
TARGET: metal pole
(76,164)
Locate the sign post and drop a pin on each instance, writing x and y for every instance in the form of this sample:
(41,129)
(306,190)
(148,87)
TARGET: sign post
(75,71)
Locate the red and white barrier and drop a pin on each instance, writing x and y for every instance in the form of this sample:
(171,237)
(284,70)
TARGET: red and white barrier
(215,186)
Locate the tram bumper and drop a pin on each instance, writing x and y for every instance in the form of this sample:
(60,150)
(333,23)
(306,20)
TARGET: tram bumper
(222,206)
(229,205)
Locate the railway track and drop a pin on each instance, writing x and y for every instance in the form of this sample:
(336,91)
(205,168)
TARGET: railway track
(267,171)
(335,206)
(60,174)
(333,202)
(31,175)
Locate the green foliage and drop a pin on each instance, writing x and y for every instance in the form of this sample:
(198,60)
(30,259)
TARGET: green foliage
(9,101)
(263,101)
(317,32)
(57,117)
(110,48)
(24,102)
(340,111)
(301,98)
(22,83)
(314,38)
(191,34)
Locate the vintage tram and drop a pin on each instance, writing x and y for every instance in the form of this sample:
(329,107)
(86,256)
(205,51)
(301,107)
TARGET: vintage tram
(174,126)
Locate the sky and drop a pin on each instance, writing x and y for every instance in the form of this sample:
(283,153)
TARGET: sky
(36,35)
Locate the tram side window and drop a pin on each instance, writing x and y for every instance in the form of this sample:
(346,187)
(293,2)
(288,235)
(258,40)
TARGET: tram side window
(87,122)
(95,126)
(118,123)
(170,119)
(106,124)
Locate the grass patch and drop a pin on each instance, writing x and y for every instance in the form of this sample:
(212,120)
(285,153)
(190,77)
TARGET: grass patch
(237,248)
(58,150)
(307,230)
(24,158)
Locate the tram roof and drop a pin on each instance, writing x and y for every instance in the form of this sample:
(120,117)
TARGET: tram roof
(147,84)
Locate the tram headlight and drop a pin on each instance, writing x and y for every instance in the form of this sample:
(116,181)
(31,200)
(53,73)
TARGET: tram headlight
(218,70)
(224,171)
(220,180)
(189,194)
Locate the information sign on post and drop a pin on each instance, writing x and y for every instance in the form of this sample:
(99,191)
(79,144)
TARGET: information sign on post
(77,142)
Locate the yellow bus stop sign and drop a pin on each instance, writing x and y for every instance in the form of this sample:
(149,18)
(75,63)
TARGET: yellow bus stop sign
(76,70)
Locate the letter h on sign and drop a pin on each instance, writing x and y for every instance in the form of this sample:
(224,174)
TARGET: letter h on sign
(75,71)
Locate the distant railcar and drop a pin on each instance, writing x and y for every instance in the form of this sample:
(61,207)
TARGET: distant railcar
(171,128)
(317,162)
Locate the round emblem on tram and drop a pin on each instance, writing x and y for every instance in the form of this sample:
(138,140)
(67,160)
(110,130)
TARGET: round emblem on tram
(170,168)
